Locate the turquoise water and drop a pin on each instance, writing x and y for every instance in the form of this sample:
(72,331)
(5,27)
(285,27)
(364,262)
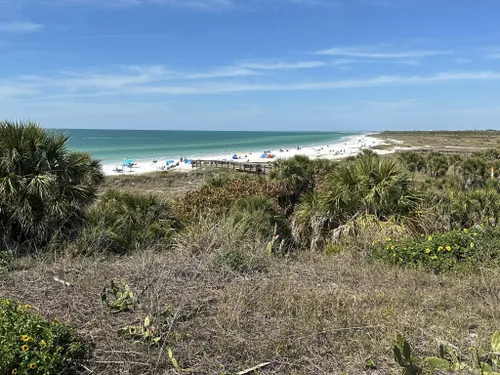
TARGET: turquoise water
(112,146)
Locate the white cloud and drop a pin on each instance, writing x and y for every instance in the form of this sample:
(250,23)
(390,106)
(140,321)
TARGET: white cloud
(130,76)
(200,4)
(376,52)
(159,81)
(380,3)
(19,26)
(283,65)
(392,105)
(219,88)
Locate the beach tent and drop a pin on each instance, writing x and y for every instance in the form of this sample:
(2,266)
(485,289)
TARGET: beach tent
(170,161)
(263,156)
(128,163)
(187,161)
(235,157)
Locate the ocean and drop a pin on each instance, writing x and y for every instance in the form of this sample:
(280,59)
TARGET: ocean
(112,146)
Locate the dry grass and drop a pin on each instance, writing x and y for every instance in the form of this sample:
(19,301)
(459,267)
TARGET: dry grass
(310,314)
(171,184)
(440,139)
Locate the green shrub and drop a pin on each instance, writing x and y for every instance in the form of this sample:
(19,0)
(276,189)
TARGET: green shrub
(45,189)
(259,215)
(5,261)
(443,252)
(32,345)
(436,164)
(234,260)
(218,180)
(121,221)
(216,201)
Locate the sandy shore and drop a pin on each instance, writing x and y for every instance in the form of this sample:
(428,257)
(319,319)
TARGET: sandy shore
(346,147)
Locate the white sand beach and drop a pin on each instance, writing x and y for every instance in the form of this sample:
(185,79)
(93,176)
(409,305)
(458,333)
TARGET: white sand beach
(349,146)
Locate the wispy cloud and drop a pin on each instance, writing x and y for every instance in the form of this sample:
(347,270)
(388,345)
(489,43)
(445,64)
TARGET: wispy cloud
(379,3)
(219,88)
(463,61)
(199,4)
(19,26)
(392,105)
(375,52)
(150,82)
(131,76)
(283,65)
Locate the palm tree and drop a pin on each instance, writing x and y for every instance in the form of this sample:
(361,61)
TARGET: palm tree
(363,190)
(294,174)
(44,188)
(473,171)
(437,164)
(413,161)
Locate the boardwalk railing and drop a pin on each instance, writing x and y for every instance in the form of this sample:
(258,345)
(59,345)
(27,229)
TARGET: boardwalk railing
(258,168)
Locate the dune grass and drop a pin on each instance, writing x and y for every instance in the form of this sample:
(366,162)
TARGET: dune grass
(213,273)
(310,314)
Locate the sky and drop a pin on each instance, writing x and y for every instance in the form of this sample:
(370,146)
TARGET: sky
(335,65)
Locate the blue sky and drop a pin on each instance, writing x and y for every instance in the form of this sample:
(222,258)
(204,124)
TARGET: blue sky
(251,64)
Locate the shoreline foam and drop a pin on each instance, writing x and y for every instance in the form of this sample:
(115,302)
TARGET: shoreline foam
(343,148)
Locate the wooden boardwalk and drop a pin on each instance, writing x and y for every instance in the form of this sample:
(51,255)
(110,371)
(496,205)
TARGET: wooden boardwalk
(257,168)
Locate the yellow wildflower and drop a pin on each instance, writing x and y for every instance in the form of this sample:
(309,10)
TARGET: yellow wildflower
(434,257)
(448,248)
(52,324)
(440,248)
(25,348)
(422,235)
(430,238)
(32,365)
(472,244)
(43,343)
(427,251)
(27,307)
(393,247)
(465,230)
(474,234)
(14,371)
(25,338)
(388,239)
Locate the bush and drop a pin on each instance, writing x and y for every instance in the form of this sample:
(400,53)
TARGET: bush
(217,201)
(443,252)
(366,189)
(32,345)
(5,261)
(44,188)
(436,164)
(259,215)
(121,221)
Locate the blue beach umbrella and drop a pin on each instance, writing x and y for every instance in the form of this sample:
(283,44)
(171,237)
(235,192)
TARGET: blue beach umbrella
(128,163)
(170,161)
(235,157)
(263,156)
